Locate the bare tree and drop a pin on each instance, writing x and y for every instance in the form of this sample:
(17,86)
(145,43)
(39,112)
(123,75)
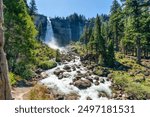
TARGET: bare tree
(5,90)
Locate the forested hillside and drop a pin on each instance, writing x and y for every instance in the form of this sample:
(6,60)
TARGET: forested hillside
(25,53)
(127,31)
(122,46)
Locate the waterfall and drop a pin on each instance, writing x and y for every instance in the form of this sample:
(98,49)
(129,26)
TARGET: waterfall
(49,38)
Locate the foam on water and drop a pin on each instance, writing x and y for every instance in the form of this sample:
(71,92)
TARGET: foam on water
(63,85)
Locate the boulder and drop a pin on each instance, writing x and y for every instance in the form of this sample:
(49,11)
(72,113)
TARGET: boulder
(58,71)
(66,75)
(38,71)
(69,70)
(103,94)
(88,98)
(73,68)
(66,67)
(102,80)
(78,72)
(96,78)
(82,84)
(90,79)
(96,83)
(60,76)
(44,75)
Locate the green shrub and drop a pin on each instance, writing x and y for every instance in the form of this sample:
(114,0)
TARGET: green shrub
(45,65)
(138,91)
(26,71)
(123,82)
(58,58)
(14,78)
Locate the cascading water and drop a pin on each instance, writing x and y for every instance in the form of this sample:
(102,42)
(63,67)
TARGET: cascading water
(49,38)
(63,85)
(66,84)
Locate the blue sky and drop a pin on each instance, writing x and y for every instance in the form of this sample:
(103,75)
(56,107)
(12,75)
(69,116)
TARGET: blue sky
(63,8)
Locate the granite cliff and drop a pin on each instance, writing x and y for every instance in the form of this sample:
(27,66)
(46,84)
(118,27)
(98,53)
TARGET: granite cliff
(65,30)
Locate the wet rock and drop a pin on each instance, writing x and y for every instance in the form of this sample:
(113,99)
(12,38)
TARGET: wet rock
(44,75)
(90,79)
(80,75)
(78,72)
(96,83)
(96,78)
(87,74)
(66,67)
(103,94)
(102,80)
(82,84)
(88,98)
(73,68)
(66,75)
(38,71)
(71,83)
(58,71)
(108,79)
(60,76)
(69,70)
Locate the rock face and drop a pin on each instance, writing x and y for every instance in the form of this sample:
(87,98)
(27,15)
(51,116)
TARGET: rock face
(41,22)
(66,31)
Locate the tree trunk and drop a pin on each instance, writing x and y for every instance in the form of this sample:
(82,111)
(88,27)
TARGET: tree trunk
(5,90)
(138,50)
(116,38)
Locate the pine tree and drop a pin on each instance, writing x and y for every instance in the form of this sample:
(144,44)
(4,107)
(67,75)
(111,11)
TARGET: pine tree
(133,10)
(33,8)
(85,37)
(5,90)
(110,54)
(99,42)
(115,19)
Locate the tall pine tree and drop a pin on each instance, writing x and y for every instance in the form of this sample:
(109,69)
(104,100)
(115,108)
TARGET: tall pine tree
(33,8)
(115,20)
(99,42)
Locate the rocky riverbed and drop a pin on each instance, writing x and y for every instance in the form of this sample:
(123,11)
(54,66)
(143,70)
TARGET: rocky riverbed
(74,80)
